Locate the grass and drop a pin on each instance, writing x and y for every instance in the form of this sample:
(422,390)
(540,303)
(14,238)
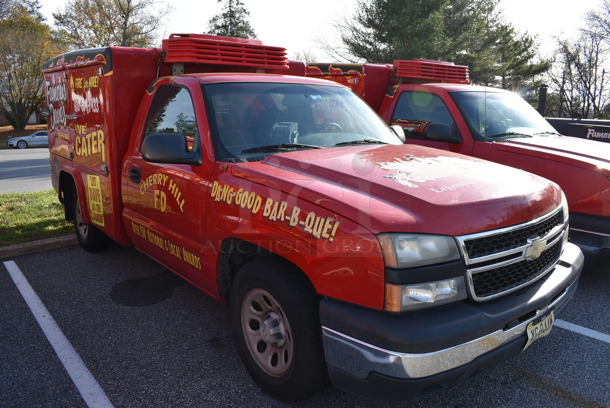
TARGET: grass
(26,217)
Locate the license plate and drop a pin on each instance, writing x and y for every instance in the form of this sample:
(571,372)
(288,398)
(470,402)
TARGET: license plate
(539,328)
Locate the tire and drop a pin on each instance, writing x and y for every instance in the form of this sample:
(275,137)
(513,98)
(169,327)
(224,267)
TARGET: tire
(89,237)
(275,324)
(22,144)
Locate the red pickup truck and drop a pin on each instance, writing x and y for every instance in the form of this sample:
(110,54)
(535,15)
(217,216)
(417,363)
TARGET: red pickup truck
(434,103)
(343,253)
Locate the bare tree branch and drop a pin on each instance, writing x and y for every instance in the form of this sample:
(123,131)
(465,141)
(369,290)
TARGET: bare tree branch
(100,23)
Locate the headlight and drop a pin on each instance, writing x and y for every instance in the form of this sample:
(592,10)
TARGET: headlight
(401,298)
(566,216)
(411,250)
(564,204)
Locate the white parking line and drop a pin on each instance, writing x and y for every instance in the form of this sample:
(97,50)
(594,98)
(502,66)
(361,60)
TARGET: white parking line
(583,330)
(86,384)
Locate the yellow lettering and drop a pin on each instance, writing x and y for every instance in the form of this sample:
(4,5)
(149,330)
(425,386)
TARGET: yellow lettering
(80,129)
(332,234)
(294,216)
(274,211)
(160,201)
(94,198)
(215,187)
(191,259)
(101,140)
(267,208)
(89,144)
(94,82)
(309,222)
(282,210)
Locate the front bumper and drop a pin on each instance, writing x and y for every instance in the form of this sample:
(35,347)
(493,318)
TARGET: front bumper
(591,233)
(395,357)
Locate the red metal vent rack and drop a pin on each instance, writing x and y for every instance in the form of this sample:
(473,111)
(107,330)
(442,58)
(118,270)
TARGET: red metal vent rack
(210,49)
(438,71)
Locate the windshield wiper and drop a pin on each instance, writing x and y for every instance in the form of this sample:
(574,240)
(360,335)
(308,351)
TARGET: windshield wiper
(507,134)
(545,133)
(280,147)
(363,141)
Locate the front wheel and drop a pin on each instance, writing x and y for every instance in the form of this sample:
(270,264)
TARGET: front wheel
(22,144)
(274,318)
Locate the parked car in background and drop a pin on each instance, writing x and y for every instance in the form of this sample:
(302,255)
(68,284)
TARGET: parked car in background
(36,139)
(594,129)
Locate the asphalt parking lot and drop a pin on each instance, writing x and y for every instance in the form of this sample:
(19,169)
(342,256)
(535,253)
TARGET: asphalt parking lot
(138,336)
(24,170)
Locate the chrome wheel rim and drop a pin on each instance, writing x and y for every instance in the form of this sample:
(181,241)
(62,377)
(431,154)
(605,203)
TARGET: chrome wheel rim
(267,332)
(81,225)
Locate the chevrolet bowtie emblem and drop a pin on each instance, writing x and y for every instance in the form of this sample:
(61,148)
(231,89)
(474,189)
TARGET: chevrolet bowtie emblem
(535,248)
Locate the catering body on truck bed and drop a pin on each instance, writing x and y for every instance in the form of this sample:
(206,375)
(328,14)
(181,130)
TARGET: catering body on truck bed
(434,103)
(343,253)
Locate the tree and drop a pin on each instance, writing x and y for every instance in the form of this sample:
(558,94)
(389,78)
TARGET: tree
(24,46)
(496,54)
(5,8)
(101,23)
(383,30)
(514,59)
(599,20)
(579,78)
(232,22)
(467,32)
(305,56)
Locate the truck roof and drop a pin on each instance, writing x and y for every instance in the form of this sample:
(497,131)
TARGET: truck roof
(255,77)
(463,87)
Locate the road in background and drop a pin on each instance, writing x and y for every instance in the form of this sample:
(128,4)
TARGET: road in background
(25,170)
(151,340)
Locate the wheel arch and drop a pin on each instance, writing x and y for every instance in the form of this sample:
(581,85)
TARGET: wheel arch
(67,188)
(236,252)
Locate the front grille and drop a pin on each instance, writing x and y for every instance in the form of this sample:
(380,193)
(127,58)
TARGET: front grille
(511,239)
(500,280)
(502,261)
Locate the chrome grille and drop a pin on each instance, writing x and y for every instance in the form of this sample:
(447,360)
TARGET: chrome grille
(502,279)
(511,239)
(502,261)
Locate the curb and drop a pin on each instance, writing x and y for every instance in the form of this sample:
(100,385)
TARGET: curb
(37,246)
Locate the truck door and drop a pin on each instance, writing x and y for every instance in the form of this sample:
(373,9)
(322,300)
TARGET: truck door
(415,110)
(164,202)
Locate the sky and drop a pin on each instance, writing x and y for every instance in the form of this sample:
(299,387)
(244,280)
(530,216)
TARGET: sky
(299,25)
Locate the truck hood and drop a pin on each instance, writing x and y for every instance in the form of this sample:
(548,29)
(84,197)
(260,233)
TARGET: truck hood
(581,152)
(408,188)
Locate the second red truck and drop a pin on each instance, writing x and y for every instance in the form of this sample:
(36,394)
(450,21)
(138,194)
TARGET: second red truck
(434,103)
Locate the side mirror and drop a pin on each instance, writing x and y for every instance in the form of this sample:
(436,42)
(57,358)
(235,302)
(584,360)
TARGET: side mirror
(441,132)
(169,148)
(400,132)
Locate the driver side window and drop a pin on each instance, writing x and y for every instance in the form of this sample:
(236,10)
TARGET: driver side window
(172,112)
(415,109)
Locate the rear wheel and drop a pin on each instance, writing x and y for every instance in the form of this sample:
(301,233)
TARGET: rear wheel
(274,317)
(89,237)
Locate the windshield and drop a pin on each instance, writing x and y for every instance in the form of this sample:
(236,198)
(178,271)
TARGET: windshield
(251,120)
(496,115)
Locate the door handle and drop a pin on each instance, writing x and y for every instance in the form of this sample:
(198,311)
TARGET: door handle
(135,174)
